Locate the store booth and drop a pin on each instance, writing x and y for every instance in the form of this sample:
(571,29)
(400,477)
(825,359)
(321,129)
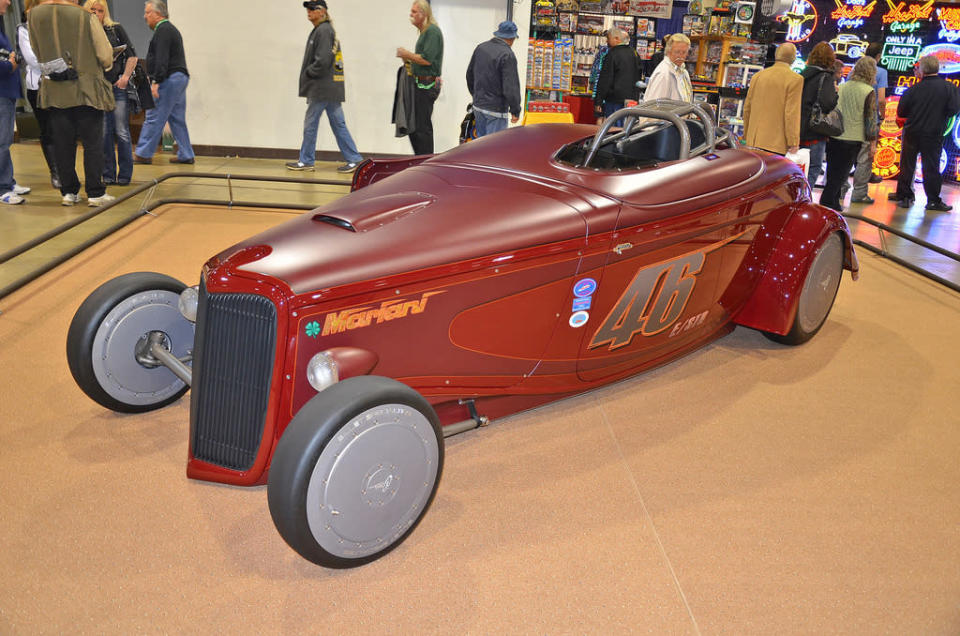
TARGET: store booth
(731,41)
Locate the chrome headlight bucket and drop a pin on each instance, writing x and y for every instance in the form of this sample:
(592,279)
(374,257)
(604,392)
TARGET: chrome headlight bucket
(189,299)
(322,371)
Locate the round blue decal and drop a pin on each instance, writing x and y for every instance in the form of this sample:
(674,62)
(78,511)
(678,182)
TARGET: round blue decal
(584,287)
(579,319)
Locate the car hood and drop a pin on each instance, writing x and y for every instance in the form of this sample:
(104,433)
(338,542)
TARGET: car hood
(422,217)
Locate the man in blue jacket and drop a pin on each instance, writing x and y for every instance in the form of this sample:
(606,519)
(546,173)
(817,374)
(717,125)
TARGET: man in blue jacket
(9,94)
(493,81)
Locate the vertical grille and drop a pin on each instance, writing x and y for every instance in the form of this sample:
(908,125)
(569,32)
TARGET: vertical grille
(232,366)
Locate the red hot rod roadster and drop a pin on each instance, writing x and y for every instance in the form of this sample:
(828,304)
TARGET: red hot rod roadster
(329,356)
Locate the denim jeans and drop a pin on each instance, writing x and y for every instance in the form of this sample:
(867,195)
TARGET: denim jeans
(817,153)
(488,124)
(311,121)
(117,166)
(170,106)
(8,113)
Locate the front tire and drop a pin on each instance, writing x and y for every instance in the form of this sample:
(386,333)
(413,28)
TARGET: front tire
(355,471)
(817,295)
(110,328)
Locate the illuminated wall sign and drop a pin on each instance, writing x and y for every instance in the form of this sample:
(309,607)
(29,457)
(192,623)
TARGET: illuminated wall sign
(849,45)
(947,54)
(949,23)
(801,20)
(889,127)
(918,173)
(904,13)
(850,15)
(900,52)
(904,27)
(886,162)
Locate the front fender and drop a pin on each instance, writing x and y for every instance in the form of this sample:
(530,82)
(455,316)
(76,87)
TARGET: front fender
(773,304)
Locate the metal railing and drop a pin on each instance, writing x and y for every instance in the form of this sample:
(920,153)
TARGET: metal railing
(149,206)
(883,251)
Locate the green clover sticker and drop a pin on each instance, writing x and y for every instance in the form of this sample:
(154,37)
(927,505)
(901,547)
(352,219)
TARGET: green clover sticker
(313,329)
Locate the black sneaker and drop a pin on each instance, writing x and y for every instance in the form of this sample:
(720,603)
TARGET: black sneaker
(905,203)
(866,200)
(875,178)
(348,167)
(938,206)
(296,165)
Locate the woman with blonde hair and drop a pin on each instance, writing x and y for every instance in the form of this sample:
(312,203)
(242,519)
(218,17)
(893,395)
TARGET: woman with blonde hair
(117,145)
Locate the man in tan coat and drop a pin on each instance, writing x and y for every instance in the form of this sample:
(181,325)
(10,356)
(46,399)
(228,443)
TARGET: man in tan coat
(73,51)
(771,113)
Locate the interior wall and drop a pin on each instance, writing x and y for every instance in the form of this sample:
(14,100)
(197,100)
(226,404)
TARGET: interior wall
(244,65)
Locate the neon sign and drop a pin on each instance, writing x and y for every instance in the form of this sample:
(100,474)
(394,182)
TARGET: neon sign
(801,20)
(886,162)
(900,52)
(889,127)
(947,54)
(949,23)
(851,15)
(904,27)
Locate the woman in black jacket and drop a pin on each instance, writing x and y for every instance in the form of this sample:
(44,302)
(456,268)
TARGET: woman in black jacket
(818,85)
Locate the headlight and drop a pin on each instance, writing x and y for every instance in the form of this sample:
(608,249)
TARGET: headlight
(322,371)
(189,298)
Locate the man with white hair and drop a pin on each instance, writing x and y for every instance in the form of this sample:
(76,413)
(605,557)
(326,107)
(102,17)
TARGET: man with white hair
(619,74)
(670,80)
(771,112)
(927,105)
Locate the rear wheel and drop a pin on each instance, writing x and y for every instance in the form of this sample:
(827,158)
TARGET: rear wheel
(355,471)
(817,295)
(110,335)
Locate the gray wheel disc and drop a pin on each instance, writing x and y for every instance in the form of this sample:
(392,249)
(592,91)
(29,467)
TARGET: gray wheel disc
(820,287)
(114,347)
(372,481)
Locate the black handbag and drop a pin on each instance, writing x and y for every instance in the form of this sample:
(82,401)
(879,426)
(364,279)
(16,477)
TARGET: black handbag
(141,82)
(827,124)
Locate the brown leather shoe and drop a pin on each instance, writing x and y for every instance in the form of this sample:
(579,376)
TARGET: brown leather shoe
(178,160)
(144,160)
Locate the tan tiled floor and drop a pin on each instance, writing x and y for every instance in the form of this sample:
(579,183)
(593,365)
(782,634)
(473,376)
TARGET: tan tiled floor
(43,212)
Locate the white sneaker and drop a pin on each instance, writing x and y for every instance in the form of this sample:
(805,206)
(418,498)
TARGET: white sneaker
(96,202)
(71,199)
(11,198)
(19,189)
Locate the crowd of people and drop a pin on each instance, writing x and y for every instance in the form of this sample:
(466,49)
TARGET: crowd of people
(794,105)
(81,75)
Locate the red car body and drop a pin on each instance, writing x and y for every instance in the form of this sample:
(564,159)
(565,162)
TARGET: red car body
(496,277)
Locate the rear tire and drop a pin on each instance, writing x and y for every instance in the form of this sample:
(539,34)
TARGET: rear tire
(817,295)
(355,471)
(106,331)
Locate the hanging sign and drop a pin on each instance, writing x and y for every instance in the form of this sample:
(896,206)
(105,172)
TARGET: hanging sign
(851,14)
(900,52)
(947,54)
(801,20)
(886,162)
(949,18)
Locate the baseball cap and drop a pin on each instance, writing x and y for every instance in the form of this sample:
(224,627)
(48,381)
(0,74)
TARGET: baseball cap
(315,4)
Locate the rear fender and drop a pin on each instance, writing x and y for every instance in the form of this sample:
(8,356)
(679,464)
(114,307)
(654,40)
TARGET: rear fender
(773,304)
(373,170)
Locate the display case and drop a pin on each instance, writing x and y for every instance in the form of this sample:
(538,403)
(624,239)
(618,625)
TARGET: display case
(711,55)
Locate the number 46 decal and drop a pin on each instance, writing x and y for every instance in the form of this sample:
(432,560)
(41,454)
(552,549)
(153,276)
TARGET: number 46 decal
(652,302)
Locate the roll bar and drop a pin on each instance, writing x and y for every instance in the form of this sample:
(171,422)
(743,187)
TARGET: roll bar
(652,113)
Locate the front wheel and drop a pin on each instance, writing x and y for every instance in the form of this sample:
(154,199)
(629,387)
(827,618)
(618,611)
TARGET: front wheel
(109,339)
(355,471)
(818,293)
